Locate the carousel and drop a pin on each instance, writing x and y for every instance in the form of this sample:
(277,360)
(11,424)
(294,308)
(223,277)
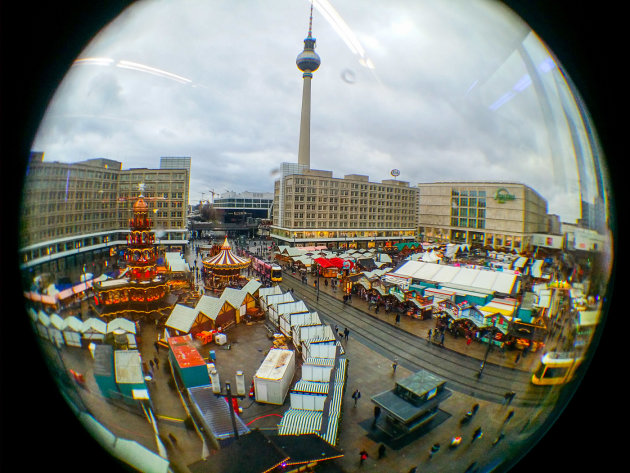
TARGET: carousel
(224,269)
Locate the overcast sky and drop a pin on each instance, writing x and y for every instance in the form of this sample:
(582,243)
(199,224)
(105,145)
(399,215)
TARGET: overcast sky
(442,90)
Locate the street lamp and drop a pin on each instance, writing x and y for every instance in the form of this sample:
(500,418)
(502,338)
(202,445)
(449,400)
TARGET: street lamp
(483,363)
(228,394)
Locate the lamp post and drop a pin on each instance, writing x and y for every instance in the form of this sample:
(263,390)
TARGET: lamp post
(483,363)
(228,394)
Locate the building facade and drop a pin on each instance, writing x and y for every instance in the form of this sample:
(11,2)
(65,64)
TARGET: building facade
(72,212)
(311,207)
(496,214)
(237,207)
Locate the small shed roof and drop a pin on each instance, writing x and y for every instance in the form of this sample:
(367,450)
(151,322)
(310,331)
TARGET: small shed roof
(121,324)
(72,323)
(128,367)
(182,317)
(94,325)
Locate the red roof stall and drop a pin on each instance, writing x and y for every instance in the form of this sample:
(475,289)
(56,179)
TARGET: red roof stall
(188,362)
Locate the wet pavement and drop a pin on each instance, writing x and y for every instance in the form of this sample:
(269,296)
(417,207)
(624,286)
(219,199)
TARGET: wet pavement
(368,371)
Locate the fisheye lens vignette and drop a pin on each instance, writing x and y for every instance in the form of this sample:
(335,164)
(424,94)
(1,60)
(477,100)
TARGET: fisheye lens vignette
(562,422)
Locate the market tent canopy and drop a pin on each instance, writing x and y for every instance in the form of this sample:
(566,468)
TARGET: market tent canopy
(324,263)
(479,279)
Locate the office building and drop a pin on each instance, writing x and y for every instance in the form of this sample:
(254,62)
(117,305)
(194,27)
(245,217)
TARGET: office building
(495,214)
(73,212)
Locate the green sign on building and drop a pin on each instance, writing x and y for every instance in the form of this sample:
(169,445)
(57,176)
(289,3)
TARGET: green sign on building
(502,196)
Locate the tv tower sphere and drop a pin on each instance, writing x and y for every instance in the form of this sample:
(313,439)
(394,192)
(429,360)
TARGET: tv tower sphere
(308,60)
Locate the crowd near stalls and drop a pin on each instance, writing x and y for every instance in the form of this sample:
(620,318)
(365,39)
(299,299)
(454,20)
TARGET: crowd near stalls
(504,298)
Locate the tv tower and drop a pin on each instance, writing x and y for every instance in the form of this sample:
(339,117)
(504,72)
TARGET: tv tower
(307,61)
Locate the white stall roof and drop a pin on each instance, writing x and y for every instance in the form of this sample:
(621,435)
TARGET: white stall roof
(73,323)
(504,282)
(252,286)
(57,322)
(587,318)
(275,364)
(128,367)
(94,325)
(465,277)
(122,324)
(446,273)
(267,291)
(182,318)
(479,279)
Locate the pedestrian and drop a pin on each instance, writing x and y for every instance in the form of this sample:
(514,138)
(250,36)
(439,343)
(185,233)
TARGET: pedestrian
(509,416)
(395,364)
(429,335)
(377,413)
(381,451)
(346,332)
(398,318)
(156,360)
(498,439)
(468,339)
(518,357)
(336,328)
(442,339)
(356,395)
(434,449)
(151,364)
(376,309)
(510,396)
(363,456)
(478,433)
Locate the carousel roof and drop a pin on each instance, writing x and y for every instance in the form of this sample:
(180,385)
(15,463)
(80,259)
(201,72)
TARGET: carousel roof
(225,259)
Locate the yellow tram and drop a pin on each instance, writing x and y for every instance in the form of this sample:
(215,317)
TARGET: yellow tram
(556,368)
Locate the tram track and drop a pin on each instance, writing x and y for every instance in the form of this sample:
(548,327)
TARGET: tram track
(415,352)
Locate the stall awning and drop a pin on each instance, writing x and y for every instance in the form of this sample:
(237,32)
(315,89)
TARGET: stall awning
(299,421)
(324,263)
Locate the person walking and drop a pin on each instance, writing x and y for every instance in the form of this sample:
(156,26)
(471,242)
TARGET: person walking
(395,364)
(442,339)
(434,449)
(429,335)
(398,318)
(356,395)
(377,413)
(362,457)
(381,451)
(509,396)
(509,416)
(346,332)
(478,433)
